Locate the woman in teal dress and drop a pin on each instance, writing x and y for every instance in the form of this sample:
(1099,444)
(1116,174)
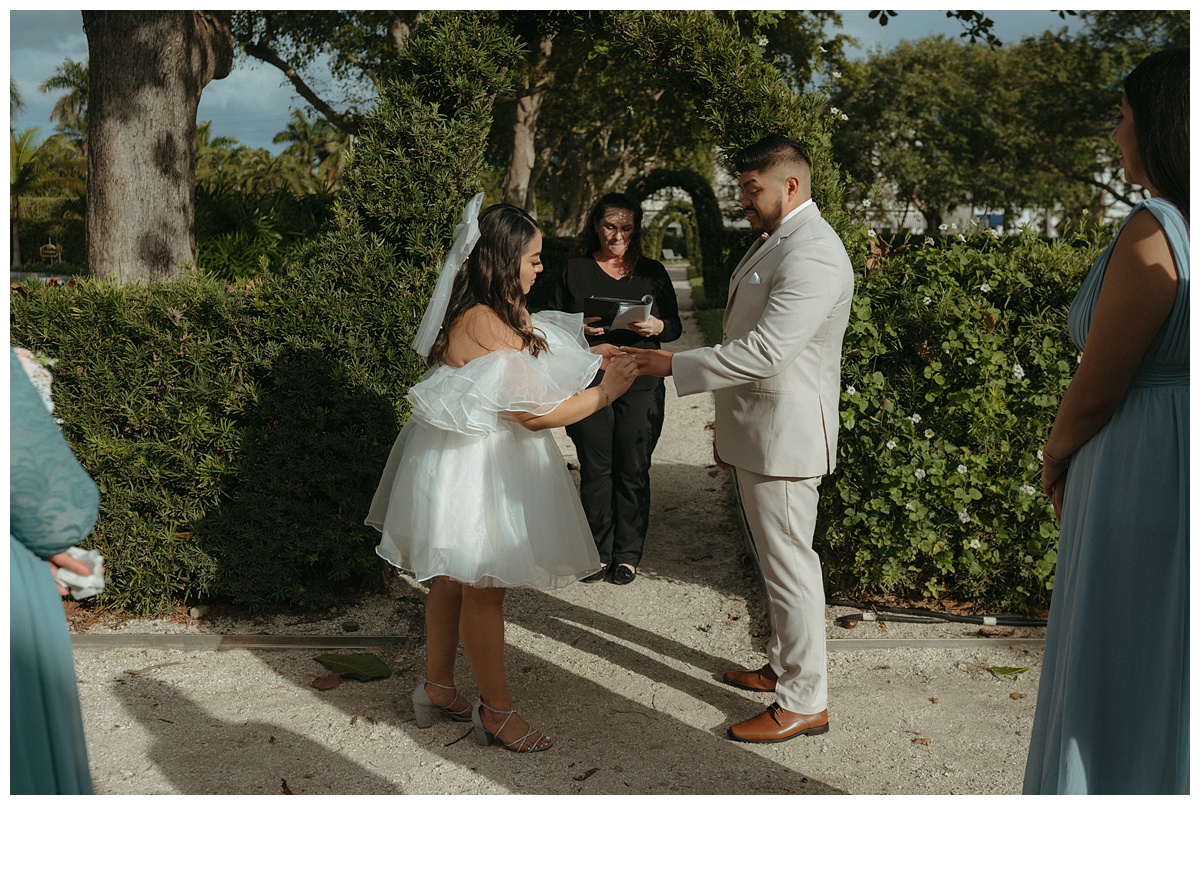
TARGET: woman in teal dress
(53,504)
(1113,701)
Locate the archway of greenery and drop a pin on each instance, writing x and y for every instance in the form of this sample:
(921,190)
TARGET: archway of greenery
(712,250)
(675,212)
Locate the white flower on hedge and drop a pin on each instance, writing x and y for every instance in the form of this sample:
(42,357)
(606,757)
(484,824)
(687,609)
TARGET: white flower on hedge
(929,241)
(762,41)
(975,545)
(962,468)
(970,361)
(927,300)
(918,144)
(985,288)
(943,227)
(919,473)
(928,433)
(1018,371)
(1039,453)
(845,117)
(911,505)
(891,444)
(963,516)
(870,232)
(914,418)
(1028,490)
(834,111)
(837,75)
(850,391)
(866,204)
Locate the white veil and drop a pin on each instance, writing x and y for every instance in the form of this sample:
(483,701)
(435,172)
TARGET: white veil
(465,236)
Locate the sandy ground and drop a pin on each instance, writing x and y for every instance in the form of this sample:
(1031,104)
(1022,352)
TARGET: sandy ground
(623,678)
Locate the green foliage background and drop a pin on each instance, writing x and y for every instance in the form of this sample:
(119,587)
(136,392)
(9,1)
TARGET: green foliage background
(238,432)
(954,362)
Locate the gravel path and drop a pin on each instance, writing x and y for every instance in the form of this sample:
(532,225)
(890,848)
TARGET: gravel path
(623,678)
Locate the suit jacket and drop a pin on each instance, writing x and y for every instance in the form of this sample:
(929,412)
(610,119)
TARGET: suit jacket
(776,375)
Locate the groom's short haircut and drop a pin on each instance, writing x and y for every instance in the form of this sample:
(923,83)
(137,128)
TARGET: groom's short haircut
(768,152)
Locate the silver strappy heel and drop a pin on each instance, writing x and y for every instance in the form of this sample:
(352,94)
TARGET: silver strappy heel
(530,742)
(423,707)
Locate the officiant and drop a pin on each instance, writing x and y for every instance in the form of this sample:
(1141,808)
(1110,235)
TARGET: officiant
(615,444)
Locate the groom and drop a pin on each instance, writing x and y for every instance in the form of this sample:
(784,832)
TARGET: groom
(776,378)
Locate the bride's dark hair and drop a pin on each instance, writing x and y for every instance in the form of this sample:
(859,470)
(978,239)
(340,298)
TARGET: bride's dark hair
(492,276)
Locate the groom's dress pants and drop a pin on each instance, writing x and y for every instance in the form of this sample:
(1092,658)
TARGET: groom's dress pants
(782,515)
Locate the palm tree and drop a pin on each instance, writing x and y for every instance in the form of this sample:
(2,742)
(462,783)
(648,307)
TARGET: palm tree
(319,147)
(70,112)
(36,168)
(214,155)
(16,104)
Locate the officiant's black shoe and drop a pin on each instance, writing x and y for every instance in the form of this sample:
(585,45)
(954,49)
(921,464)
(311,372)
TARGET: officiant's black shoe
(623,574)
(596,577)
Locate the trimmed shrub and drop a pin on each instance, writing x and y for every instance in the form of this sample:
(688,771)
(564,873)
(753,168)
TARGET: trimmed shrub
(955,359)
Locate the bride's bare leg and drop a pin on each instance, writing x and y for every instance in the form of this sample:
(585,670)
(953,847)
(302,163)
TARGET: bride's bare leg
(481,629)
(443,608)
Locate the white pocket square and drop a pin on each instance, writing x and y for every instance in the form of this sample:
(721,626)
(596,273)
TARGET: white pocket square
(754,279)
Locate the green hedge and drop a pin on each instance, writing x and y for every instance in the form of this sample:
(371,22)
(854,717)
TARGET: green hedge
(954,362)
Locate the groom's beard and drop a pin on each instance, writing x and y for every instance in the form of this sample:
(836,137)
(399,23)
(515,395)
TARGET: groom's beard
(764,223)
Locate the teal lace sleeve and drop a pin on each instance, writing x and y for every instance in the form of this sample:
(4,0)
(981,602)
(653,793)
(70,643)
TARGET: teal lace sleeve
(53,503)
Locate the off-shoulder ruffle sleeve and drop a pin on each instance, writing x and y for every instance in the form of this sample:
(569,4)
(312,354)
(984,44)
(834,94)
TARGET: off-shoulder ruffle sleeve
(473,399)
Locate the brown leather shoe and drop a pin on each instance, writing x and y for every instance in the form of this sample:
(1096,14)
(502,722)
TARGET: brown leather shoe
(776,724)
(762,679)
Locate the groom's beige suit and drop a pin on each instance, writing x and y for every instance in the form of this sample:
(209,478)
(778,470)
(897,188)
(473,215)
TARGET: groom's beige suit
(776,378)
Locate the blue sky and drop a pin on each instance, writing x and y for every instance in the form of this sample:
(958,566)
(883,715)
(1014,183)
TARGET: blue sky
(255,102)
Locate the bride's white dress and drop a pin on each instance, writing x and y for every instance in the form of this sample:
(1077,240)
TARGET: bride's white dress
(468,492)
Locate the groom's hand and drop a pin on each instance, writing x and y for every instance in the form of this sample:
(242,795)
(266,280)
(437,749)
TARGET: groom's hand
(651,362)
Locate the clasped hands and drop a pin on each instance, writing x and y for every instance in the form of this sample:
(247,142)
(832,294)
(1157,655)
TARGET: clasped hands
(646,362)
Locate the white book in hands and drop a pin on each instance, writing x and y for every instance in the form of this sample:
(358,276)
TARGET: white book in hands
(617,313)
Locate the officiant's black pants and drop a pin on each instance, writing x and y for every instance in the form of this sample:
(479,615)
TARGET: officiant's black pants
(614,447)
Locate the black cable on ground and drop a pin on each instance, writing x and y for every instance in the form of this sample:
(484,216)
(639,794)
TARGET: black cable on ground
(871,612)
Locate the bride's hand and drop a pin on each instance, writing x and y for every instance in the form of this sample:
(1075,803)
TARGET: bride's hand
(619,375)
(607,351)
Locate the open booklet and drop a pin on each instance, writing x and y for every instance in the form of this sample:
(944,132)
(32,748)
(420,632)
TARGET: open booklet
(617,313)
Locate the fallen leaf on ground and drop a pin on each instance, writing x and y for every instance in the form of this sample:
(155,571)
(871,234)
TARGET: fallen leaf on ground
(324,683)
(586,774)
(286,789)
(1008,671)
(1016,696)
(363,666)
(924,742)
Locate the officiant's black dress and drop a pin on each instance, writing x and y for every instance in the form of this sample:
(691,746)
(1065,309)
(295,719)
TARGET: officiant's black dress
(615,444)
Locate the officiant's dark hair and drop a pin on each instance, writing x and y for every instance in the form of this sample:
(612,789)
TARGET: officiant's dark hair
(492,276)
(1157,92)
(767,152)
(589,240)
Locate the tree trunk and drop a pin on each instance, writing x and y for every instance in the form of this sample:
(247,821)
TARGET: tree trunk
(14,211)
(515,187)
(147,72)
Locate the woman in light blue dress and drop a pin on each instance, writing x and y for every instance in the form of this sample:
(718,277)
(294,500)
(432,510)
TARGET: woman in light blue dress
(1113,701)
(53,504)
